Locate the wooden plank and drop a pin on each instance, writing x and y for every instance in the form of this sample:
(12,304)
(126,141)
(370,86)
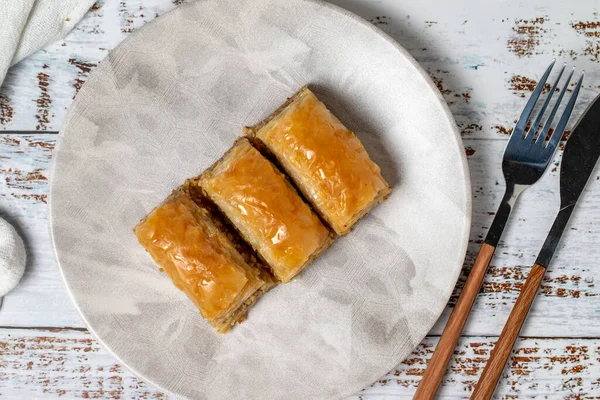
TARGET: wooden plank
(569,292)
(72,364)
(484,57)
(69,364)
(40,298)
(545,368)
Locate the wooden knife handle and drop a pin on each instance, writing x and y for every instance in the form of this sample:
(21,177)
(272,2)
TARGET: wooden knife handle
(437,365)
(493,369)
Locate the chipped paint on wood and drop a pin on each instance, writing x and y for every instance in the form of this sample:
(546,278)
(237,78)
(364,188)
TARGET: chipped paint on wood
(489,60)
(503,130)
(591,31)
(483,46)
(526,36)
(83,70)
(64,363)
(570,285)
(43,102)
(568,293)
(564,368)
(522,86)
(470,129)
(379,20)
(587,28)
(71,364)
(21,181)
(450,95)
(24,173)
(6,110)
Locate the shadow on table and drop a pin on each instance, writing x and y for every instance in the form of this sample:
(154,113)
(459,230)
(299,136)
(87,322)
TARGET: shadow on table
(434,60)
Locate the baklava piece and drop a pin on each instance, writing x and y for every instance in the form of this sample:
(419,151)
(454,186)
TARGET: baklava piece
(266,210)
(326,161)
(201,258)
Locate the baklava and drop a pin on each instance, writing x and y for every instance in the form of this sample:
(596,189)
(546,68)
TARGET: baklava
(203,259)
(266,210)
(325,160)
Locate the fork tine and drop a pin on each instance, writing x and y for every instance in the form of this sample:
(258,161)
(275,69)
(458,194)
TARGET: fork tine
(562,123)
(526,114)
(540,115)
(548,123)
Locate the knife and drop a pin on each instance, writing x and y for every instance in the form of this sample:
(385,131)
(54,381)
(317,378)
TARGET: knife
(579,159)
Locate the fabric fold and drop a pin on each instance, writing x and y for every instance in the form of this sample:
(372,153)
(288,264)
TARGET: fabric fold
(29,25)
(25,27)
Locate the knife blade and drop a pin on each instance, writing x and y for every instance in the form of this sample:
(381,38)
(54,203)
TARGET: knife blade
(579,159)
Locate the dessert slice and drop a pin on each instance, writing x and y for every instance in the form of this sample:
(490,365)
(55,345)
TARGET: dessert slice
(266,210)
(327,162)
(201,258)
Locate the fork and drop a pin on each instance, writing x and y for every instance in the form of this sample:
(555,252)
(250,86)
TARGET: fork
(525,159)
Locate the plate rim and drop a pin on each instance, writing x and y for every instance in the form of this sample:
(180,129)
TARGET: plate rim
(458,142)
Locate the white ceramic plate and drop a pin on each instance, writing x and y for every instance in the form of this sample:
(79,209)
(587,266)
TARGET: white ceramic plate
(166,104)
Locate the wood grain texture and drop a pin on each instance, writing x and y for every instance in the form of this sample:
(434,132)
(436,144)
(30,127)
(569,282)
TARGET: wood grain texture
(453,329)
(539,368)
(64,364)
(37,92)
(484,57)
(487,63)
(41,298)
(503,347)
(72,365)
(568,293)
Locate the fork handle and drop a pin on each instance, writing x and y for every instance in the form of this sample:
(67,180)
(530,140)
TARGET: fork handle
(437,365)
(495,365)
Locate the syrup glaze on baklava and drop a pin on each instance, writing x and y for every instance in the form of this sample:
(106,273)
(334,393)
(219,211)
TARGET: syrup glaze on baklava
(201,260)
(266,210)
(326,160)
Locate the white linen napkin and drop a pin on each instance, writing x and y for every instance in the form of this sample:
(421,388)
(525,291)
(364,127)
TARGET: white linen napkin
(12,257)
(29,25)
(25,27)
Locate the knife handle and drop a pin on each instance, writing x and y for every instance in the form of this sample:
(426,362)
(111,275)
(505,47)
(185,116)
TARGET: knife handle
(495,365)
(437,365)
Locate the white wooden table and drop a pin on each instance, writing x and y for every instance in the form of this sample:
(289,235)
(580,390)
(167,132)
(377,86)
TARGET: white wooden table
(485,57)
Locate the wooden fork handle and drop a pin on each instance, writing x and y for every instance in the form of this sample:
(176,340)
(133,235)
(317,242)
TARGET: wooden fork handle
(437,365)
(493,369)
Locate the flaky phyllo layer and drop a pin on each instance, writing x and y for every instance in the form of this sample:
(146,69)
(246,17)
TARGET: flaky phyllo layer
(274,202)
(266,210)
(201,259)
(325,160)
